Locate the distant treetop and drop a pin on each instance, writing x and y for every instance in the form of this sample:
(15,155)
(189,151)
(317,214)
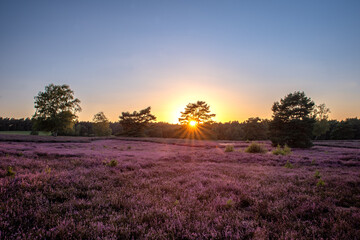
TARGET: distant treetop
(198,112)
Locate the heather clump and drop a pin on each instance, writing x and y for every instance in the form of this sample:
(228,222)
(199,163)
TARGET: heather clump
(153,193)
(229,148)
(255,148)
(286,150)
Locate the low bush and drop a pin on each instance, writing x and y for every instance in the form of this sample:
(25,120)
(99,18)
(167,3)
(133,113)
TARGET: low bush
(10,172)
(320,183)
(255,148)
(229,148)
(286,150)
(112,163)
(288,165)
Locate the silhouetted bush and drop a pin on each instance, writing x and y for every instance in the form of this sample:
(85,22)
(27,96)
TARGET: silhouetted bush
(255,148)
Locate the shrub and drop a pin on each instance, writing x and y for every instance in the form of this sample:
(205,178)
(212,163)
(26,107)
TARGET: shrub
(48,170)
(112,163)
(317,174)
(286,150)
(229,203)
(229,148)
(288,165)
(255,148)
(33,132)
(10,172)
(320,183)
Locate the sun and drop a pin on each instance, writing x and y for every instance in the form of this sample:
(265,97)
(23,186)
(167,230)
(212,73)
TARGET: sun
(192,123)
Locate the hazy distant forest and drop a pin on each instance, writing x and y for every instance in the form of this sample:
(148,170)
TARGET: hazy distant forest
(251,129)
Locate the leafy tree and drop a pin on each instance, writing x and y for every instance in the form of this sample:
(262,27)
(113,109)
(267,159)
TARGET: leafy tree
(346,130)
(198,112)
(135,123)
(84,129)
(101,125)
(322,124)
(56,109)
(292,122)
(255,129)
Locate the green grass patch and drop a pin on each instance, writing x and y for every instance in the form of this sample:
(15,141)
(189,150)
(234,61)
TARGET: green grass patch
(41,133)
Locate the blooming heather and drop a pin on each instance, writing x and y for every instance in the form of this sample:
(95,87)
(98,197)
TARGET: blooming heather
(182,190)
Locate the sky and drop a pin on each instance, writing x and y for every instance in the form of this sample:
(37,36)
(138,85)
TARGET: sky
(238,56)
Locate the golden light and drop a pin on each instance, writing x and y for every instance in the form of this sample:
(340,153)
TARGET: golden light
(192,123)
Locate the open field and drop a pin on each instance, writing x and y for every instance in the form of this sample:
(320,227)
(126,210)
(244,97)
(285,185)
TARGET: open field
(41,133)
(176,189)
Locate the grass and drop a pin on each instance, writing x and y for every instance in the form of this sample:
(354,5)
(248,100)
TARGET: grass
(41,133)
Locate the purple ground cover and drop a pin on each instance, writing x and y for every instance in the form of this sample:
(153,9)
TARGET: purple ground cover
(67,190)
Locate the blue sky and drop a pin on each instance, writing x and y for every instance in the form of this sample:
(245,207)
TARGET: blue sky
(238,56)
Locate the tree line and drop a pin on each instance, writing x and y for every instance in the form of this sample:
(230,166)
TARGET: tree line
(296,121)
(251,129)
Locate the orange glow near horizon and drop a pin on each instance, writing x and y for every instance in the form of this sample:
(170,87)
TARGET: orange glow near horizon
(193,123)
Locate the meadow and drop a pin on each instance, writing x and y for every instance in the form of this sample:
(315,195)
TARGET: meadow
(41,133)
(80,188)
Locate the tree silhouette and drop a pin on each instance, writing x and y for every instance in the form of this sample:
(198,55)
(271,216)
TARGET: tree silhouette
(135,123)
(198,112)
(292,122)
(101,125)
(322,124)
(55,109)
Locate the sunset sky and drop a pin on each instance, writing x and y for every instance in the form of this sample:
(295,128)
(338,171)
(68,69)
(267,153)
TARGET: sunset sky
(238,56)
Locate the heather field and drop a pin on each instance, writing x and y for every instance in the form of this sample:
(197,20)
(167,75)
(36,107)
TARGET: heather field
(78,188)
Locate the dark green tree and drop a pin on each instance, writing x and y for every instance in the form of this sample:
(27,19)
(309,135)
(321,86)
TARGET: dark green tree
(135,123)
(198,112)
(255,129)
(101,125)
(56,109)
(293,121)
